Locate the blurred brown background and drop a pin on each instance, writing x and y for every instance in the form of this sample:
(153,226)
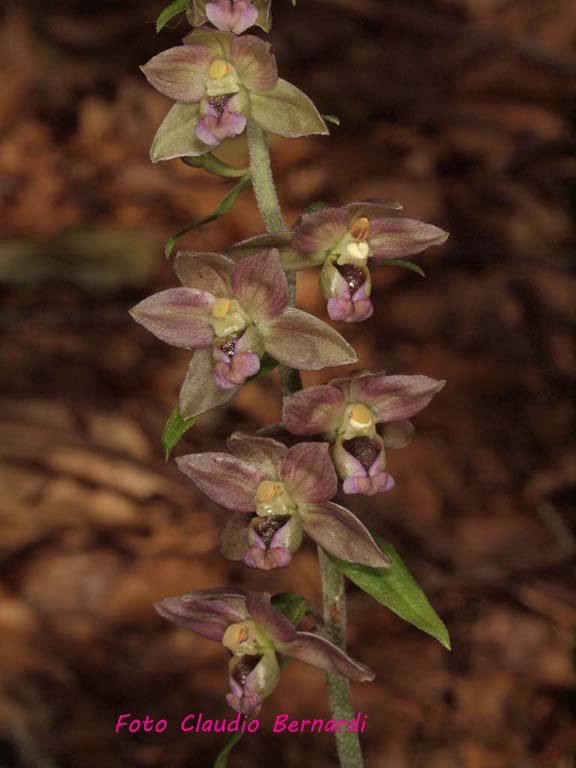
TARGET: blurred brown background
(464,110)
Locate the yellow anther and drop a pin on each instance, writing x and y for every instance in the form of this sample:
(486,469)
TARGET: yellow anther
(360,229)
(360,416)
(218,69)
(234,635)
(267,490)
(221,308)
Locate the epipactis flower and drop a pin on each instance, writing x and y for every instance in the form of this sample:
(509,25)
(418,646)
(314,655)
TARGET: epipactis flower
(219,82)
(231,15)
(346,411)
(231,314)
(277,494)
(255,633)
(346,242)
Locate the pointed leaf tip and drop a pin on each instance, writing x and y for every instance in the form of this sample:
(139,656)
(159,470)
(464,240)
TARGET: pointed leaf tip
(396,588)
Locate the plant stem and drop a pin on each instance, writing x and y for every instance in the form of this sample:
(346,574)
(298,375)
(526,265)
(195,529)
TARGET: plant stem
(333,594)
(334,609)
(269,205)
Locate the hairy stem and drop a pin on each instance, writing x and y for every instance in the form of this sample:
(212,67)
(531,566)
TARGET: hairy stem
(334,609)
(333,595)
(265,191)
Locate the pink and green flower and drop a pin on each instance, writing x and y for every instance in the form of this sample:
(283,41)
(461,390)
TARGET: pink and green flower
(231,315)
(277,494)
(346,413)
(219,82)
(346,243)
(258,636)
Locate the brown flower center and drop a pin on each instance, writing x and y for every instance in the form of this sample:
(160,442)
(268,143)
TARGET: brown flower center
(243,666)
(353,275)
(364,449)
(267,526)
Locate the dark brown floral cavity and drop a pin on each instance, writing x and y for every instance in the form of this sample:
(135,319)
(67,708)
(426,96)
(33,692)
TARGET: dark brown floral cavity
(364,449)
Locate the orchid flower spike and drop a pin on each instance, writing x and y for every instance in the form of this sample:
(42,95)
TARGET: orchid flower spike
(346,412)
(231,15)
(256,634)
(346,242)
(219,82)
(232,314)
(277,494)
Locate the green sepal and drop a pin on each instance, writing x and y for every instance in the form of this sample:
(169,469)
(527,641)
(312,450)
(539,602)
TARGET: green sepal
(211,164)
(396,588)
(219,211)
(176,427)
(406,265)
(334,119)
(176,7)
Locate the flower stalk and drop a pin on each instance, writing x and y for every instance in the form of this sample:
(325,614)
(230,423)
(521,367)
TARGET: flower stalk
(332,581)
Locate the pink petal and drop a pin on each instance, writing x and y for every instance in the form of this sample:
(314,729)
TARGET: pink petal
(321,231)
(255,65)
(341,534)
(208,272)
(308,473)
(178,316)
(208,612)
(396,238)
(180,73)
(234,17)
(302,341)
(259,284)
(321,653)
(314,410)
(262,452)
(394,398)
(226,480)
(275,625)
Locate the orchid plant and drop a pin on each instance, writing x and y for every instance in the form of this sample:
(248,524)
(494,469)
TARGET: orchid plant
(236,312)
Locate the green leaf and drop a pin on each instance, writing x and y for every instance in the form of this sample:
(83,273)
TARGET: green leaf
(219,211)
(406,265)
(213,165)
(332,119)
(396,588)
(176,7)
(176,427)
(292,606)
(229,744)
